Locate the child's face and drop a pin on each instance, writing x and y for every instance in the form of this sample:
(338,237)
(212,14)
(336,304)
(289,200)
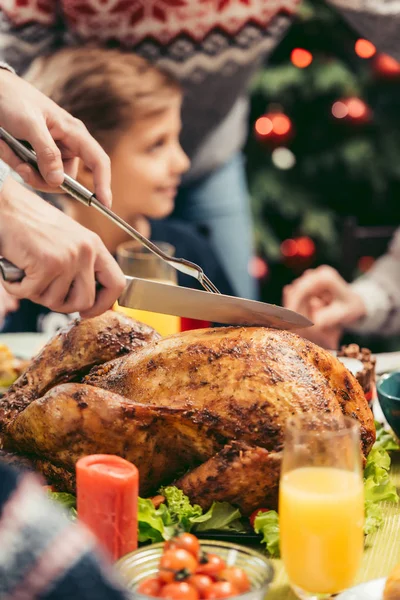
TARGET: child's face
(147,164)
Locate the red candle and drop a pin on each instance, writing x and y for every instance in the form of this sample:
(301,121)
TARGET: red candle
(107,498)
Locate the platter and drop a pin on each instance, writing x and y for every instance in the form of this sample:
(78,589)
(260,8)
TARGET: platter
(371,590)
(24,345)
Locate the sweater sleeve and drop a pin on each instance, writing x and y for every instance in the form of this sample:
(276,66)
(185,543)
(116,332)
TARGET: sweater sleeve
(27,32)
(380,291)
(377,20)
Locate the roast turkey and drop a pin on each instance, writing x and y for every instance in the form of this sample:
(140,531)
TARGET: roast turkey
(205,409)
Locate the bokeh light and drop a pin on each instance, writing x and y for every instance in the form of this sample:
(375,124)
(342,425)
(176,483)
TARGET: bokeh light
(301,58)
(364,48)
(263,126)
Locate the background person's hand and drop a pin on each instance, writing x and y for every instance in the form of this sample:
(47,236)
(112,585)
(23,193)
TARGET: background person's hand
(328,300)
(57,138)
(62,260)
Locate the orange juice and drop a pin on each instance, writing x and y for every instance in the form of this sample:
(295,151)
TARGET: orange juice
(321,515)
(164,324)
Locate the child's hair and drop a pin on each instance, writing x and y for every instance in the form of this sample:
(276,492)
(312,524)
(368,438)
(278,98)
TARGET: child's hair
(106,89)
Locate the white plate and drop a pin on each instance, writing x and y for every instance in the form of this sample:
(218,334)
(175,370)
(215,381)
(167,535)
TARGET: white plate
(24,345)
(371,590)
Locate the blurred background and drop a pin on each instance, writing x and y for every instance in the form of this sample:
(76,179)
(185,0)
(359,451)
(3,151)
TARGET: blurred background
(323,155)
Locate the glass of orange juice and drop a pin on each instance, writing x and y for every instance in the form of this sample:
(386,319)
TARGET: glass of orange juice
(321,504)
(135,260)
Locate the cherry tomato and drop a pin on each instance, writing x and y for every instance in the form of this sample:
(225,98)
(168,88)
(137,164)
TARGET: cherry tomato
(211,564)
(201,583)
(188,542)
(237,577)
(150,587)
(174,560)
(221,589)
(253,515)
(179,590)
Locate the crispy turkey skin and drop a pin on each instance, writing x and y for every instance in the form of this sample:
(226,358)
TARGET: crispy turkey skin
(205,409)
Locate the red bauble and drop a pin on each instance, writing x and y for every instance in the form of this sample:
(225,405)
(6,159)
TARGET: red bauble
(352,110)
(298,253)
(386,67)
(273,128)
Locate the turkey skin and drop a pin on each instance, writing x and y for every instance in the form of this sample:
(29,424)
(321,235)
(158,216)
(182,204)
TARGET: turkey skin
(205,409)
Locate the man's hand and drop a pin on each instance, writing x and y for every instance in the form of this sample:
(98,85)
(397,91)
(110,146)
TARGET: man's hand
(328,300)
(57,138)
(62,260)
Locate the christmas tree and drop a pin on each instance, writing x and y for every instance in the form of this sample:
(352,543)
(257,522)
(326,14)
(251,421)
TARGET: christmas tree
(324,147)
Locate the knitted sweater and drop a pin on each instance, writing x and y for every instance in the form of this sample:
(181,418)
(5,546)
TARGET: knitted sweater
(212,46)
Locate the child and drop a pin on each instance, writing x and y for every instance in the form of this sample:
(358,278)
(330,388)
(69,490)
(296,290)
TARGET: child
(133,110)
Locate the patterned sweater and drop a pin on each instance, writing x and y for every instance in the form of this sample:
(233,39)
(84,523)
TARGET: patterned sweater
(212,46)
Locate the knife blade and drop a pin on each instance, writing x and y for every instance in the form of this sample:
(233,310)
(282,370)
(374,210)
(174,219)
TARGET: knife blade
(158,297)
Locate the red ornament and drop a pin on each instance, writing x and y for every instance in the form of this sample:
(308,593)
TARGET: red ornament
(386,67)
(298,253)
(364,48)
(301,58)
(273,128)
(353,110)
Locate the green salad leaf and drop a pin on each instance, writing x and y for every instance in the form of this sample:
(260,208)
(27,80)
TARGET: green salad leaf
(68,501)
(267,524)
(178,514)
(179,507)
(385,439)
(154,524)
(377,484)
(221,516)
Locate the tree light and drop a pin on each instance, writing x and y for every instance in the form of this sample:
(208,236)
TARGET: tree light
(289,248)
(301,58)
(281,124)
(263,126)
(283,158)
(364,48)
(340,110)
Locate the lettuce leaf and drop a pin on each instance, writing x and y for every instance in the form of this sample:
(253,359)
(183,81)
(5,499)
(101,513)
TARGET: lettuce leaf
(377,484)
(67,501)
(154,524)
(221,516)
(267,524)
(385,439)
(179,507)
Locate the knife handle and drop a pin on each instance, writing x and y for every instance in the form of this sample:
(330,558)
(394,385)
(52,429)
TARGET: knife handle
(10,272)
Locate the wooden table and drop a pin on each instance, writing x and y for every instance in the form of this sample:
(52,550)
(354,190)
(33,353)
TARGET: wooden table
(382,551)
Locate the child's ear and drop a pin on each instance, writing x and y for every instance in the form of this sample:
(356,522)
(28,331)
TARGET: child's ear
(84,175)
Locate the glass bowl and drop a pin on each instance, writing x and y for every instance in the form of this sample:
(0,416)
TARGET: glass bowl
(143,563)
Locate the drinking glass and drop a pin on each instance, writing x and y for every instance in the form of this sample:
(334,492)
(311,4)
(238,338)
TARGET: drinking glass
(321,504)
(137,261)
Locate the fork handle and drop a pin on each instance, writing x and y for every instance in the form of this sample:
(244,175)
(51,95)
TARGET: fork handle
(10,272)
